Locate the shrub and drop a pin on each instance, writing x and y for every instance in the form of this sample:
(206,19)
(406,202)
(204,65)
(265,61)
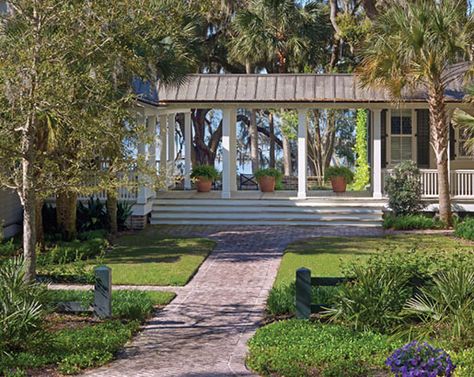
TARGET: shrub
(403,187)
(373,301)
(420,359)
(205,171)
(339,171)
(124,211)
(21,312)
(270,172)
(297,348)
(410,222)
(91,216)
(66,252)
(445,307)
(465,229)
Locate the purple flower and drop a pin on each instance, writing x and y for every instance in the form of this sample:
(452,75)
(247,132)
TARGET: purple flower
(417,359)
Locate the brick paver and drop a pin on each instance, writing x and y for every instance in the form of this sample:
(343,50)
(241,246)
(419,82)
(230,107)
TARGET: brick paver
(204,331)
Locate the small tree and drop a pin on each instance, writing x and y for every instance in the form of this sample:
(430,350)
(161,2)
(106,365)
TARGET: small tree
(362,172)
(403,187)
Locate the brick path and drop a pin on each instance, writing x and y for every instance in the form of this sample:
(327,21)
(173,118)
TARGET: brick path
(204,331)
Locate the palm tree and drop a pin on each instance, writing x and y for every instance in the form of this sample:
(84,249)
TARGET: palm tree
(280,36)
(420,44)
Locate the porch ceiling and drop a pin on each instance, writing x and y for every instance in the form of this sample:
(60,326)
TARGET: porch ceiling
(286,88)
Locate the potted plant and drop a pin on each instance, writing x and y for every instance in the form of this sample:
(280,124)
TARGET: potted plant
(267,179)
(339,176)
(204,175)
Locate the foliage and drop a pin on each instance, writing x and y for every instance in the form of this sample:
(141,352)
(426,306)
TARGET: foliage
(362,171)
(270,172)
(65,252)
(420,359)
(128,305)
(410,222)
(281,299)
(21,312)
(73,349)
(124,211)
(91,216)
(339,171)
(465,121)
(205,171)
(465,229)
(445,308)
(297,348)
(373,301)
(418,43)
(403,187)
(8,248)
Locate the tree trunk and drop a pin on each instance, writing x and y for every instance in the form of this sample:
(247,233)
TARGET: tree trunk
(66,207)
(272,140)
(39,223)
(29,224)
(253,140)
(439,136)
(112,212)
(286,156)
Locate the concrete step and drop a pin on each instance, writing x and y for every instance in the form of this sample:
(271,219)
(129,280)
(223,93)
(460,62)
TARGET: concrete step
(328,202)
(262,216)
(372,224)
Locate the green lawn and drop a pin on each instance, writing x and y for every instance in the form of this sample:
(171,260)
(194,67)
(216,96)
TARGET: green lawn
(146,258)
(324,256)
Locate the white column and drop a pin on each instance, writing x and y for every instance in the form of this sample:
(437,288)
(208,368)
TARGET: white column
(163,150)
(377,155)
(171,148)
(151,157)
(188,137)
(141,153)
(302,152)
(229,153)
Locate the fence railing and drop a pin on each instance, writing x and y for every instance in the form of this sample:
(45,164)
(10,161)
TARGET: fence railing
(461,182)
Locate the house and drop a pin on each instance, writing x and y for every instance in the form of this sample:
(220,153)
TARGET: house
(397,132)
(11,214)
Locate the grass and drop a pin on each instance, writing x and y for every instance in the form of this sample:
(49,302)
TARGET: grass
(324,256)
(158,298)
(147,258)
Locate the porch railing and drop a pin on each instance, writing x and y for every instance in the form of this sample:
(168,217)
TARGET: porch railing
(461,183)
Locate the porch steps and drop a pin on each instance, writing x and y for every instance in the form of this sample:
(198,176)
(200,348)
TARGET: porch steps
(359,212)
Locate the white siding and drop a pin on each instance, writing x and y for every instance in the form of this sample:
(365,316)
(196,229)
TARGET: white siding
(11,213)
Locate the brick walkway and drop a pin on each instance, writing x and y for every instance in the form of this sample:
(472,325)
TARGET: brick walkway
(204,331)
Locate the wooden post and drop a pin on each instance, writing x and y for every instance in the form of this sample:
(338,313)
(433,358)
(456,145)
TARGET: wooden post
(303,293)
(103,292)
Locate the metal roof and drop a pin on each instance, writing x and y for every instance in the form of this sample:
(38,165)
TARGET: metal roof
(285,88)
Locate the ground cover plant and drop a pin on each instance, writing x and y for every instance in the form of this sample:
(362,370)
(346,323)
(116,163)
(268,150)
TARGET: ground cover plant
(296,348)
(36,339)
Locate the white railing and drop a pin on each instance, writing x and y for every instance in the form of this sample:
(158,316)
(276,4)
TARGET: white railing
(126,193)
(461,183)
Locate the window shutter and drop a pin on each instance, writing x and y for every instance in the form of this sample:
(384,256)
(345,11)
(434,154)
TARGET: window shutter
(423,138)
(383,132)
(452,143)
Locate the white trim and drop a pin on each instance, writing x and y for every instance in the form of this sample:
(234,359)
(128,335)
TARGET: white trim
(388,143)
(302,152)
(377,154)
(188,137)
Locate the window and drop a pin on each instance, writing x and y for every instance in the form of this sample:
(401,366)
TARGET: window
(401,136)
(463,137)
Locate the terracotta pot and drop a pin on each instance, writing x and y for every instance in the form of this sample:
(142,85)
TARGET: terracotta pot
(203,184)
(338,184)
(267,184)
